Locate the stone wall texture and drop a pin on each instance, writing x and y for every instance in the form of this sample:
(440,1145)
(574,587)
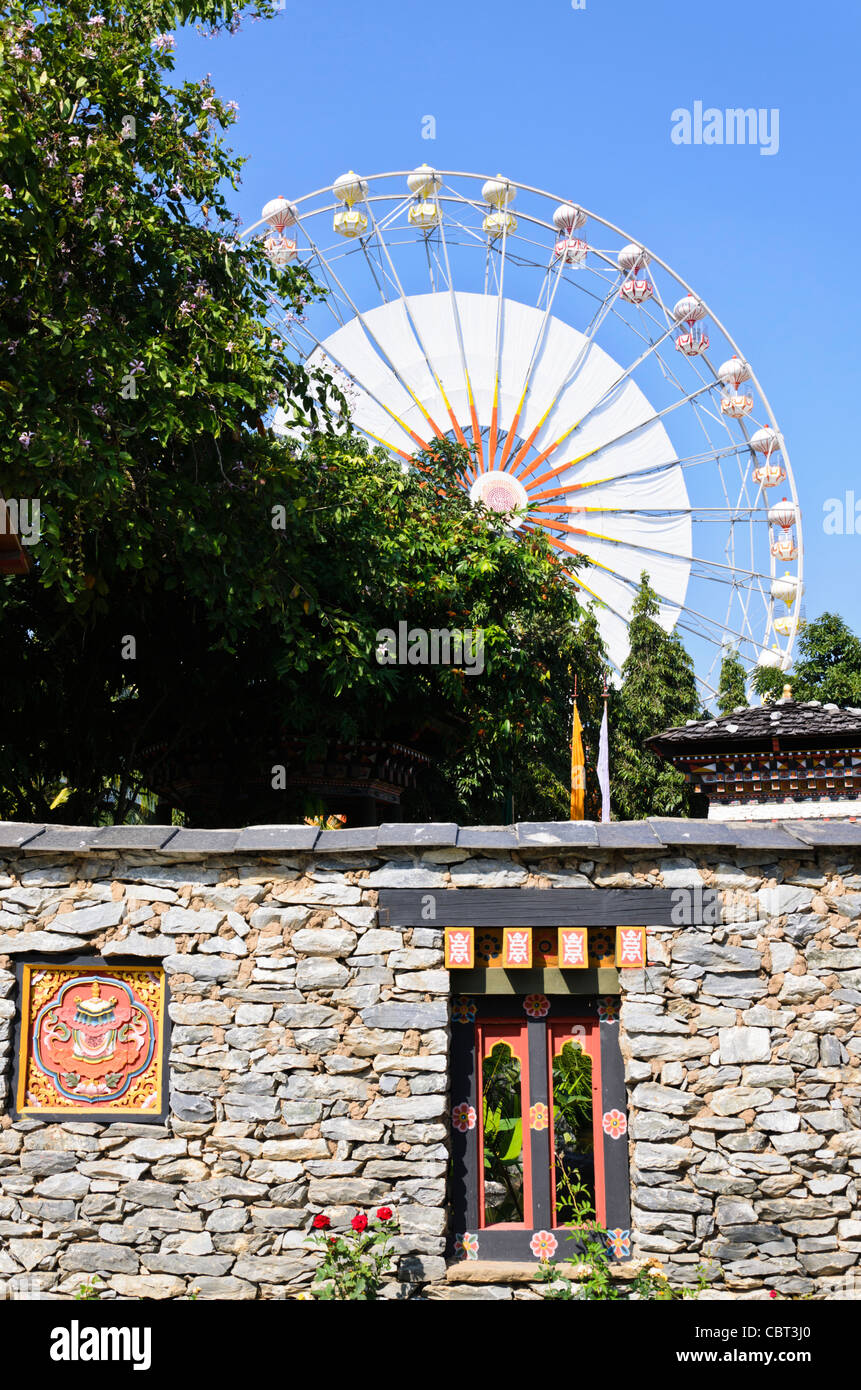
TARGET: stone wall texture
(309,1067)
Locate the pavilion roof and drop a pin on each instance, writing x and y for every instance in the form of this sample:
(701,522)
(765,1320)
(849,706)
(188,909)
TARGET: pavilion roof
(783,724)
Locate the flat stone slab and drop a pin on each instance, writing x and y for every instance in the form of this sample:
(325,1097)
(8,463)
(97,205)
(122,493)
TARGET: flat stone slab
(14,834)
(634,834)
(753,835)
(73,839)
(194,842)
(487,837)
(343,841)
(52,942)
(553,833)
(133,837)
(825,832)
(430,835)
(263,838)
(692,832)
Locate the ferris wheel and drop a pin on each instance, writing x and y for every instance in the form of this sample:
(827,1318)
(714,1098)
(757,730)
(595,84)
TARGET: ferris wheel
(603,404)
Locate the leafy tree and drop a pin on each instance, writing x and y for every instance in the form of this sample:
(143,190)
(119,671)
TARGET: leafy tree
(732,688)
(203,592)
(306,598)
(132,380)
(658,691)
(827,667)
(137,357)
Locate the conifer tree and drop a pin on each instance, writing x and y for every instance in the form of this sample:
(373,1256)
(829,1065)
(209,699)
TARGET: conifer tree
(658,692)
(827,667)
(732,689)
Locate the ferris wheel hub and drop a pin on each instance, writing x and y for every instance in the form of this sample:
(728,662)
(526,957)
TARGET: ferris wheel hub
(501,492)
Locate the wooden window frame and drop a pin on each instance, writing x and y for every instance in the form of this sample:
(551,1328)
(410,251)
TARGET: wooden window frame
(475,1022)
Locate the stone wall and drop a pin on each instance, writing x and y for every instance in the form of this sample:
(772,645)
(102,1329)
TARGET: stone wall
(743,1061)
(308,1062)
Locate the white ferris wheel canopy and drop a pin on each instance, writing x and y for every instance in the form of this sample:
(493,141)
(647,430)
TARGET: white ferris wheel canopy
(599,397)
(569,376)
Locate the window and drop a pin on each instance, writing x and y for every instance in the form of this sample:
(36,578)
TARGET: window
(538,1124)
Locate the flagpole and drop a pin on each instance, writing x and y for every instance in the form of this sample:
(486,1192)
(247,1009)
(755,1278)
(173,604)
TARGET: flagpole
(604,761)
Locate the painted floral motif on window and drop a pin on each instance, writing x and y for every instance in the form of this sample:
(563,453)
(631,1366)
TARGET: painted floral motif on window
(463,1117)
(614,1124)
(462,1009)
(536,1005)
(543,1245)
(466,1246)
(608,1008)
(91,1040)
(539,1116)
(619,1243)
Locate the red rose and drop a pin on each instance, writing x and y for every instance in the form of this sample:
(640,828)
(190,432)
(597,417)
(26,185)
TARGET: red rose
(321,1222)
(360,1222)
(384,1213)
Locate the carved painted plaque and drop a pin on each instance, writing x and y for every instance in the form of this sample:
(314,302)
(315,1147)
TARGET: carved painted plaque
(91,1040)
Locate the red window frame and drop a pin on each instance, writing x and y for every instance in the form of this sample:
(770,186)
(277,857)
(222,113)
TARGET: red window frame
(513,1032)
(489,1032)
(585,1032)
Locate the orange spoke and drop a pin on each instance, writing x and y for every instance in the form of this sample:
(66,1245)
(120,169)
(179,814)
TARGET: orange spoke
(512,433)
(571,463)
(494,416)
(545,453)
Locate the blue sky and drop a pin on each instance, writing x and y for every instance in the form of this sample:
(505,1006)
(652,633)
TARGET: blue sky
(579,101)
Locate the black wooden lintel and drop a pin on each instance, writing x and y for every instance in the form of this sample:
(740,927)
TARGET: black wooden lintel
(540,907)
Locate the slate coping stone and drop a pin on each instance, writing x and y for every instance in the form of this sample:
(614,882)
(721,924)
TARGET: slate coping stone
(692,832)
(73,839)
(825,832)
(628,835)
(204,842)
(262,838)
(429,834)
(761,835)
(552,834)
(487,837)
(341,841)
(14,834)
(133,837)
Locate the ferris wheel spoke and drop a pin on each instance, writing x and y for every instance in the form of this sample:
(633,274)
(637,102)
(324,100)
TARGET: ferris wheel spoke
(328,353)
(681,609)
(458,327)
(653,469)
(674,604)
(375,344)
(416,331)
(704,515)
(538,344)
(621,379)
(608,444)
(700,561)
(570,377)
(497,350)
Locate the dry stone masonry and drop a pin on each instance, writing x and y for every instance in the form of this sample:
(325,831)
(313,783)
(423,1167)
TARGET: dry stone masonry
(308,1061)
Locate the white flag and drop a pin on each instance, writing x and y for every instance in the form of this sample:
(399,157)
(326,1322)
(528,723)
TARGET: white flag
(604,767)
